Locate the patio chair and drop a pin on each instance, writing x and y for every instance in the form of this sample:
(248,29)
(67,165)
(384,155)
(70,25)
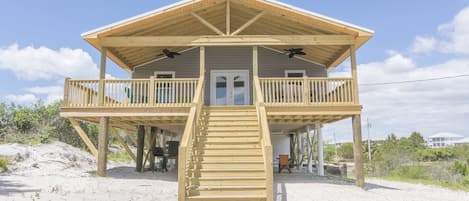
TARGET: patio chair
(284,162)
(158,152)
(172,150)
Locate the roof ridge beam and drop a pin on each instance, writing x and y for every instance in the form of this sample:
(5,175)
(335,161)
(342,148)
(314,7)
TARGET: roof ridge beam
(248,23)
(208,24)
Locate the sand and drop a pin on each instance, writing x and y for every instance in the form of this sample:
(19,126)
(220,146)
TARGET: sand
(60,172)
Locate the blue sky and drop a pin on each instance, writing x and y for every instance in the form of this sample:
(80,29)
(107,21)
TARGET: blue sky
(56,24)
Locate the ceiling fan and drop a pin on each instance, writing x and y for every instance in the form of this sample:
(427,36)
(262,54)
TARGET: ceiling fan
(169,53)
(294,51)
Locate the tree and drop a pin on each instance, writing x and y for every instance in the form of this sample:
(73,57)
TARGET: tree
(417,140)
(345,151)
(25,119)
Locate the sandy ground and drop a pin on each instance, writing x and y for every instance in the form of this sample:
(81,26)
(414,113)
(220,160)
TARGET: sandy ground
(60,172)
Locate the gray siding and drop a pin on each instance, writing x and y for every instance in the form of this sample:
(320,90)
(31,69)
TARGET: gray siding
(185,66)
(271,64)
(274,64)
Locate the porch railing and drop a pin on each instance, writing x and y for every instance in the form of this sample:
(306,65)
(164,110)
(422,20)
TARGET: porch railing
(194,125)
(130,93)
(307,91)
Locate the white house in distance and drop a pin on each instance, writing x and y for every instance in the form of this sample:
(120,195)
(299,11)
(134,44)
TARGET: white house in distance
(445,139)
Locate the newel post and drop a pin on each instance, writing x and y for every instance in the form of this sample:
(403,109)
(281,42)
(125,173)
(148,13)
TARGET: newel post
(152,92)
(255,70)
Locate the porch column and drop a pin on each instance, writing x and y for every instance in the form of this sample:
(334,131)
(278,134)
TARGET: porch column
(356,124)
(103,146)
(255,69)
(353,61)
(202,61)
(299,149)
(357,150)
(140,145)
(102,76)
(320,150)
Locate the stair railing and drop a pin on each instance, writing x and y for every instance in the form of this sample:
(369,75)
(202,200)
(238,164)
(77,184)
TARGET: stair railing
(264,138)
(193,126)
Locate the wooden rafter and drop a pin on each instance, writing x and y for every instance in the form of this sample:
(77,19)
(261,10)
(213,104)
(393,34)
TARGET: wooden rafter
(208,24)
(245,40)
(248,23)
(84,137)
(228,17)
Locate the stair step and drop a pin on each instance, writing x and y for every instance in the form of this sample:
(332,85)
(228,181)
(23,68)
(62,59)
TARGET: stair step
(208,188)
(230,151)
(232,162)
(230,129)
(233,118)
(228,146)
(233,123)
(231,170)
(203,139)
(229,181)
(232,135)
(228,198)
(240,114)
(229,141)
(229,166)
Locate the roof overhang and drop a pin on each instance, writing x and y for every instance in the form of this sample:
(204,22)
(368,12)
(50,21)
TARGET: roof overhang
(193,23)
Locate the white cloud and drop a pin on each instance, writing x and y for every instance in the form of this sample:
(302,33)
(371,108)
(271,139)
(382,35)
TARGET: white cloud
(42,63)
(458,32)
(22,99)
(423,45)
(51,93)
(428,107)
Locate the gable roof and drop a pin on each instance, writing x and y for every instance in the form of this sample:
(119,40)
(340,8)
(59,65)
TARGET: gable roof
(178,19)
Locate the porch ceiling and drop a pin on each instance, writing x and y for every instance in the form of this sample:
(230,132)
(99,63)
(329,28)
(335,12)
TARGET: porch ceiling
(181,19)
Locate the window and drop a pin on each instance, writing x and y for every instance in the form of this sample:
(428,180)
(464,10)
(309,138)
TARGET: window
(165,74)
(295,73)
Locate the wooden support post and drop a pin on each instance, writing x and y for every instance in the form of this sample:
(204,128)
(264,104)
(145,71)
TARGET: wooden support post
(357,150)
(320,150)
(66,91)
(102,76)
(124,144)
(202,62)
(103,141)
(299,150)
(153,133)
(84,137)
(149,153)
(353,61)
(140,146)
(255,69)
(310,149)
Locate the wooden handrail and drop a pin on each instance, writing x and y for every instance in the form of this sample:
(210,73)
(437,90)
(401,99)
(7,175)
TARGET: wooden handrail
(191,129)
(131,93)
(307,91)
(264,139)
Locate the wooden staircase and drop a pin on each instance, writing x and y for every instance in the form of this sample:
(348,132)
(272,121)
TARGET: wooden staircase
(228,160)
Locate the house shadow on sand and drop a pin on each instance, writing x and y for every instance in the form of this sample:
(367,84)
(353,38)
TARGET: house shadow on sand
(282,180)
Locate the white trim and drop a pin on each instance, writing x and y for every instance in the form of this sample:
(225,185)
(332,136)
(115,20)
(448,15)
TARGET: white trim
(295,71)
(307,12)
(247,91)
(172,73)
(187,2)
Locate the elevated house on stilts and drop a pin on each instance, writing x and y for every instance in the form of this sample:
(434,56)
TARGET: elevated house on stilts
(229,79)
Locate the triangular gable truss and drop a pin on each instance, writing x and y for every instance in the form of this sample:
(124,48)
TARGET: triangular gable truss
(188,24)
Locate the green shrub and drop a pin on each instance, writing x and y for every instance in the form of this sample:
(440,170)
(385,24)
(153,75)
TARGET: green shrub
(460,168)
(4,162)
(438,154)
(410,172)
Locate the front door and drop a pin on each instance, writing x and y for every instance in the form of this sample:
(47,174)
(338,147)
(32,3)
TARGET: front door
(229,87)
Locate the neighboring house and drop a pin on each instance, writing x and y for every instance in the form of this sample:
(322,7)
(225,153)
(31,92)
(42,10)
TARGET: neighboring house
(440,140)
(246,69)
(464,141)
